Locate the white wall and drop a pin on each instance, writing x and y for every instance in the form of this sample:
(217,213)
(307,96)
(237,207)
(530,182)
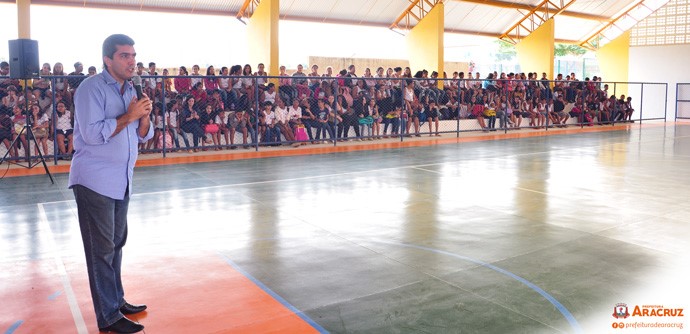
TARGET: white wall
(667,63)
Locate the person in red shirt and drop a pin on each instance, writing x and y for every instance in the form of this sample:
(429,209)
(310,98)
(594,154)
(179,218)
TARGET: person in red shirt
(183,85)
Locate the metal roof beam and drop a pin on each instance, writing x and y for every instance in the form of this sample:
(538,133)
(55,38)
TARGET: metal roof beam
(414,13)
(247,9)
(118,6)
(592,42)
(520,6)
(546,10)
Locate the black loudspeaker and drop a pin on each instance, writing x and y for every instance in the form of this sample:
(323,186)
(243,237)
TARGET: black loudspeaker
(23,59)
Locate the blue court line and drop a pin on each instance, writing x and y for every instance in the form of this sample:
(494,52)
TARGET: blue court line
(274,295)
(14,327)
(564,311)
(55,295)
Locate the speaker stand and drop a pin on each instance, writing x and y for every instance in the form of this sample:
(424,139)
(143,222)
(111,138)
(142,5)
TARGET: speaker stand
(30,136)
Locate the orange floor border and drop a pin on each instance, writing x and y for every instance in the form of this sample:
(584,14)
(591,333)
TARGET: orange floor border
(145,161)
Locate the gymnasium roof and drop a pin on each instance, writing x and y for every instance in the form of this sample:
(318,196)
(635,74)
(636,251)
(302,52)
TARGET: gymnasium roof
(578,21)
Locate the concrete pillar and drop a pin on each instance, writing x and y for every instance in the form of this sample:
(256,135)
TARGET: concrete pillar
(425,43)
(262,31)
(536,51)
(24,19)
(614,60)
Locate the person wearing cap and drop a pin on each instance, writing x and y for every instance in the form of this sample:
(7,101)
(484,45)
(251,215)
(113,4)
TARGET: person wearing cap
(77,76)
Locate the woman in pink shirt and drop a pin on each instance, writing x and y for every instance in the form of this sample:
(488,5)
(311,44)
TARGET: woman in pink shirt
(210,81)
(183,85)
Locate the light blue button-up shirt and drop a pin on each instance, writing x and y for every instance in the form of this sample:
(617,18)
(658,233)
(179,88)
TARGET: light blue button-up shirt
(101,163)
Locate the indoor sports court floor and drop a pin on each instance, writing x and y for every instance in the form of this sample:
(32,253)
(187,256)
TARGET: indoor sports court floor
(540,234)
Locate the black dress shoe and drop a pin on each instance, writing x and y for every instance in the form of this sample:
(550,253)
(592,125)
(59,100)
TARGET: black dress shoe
(131,309)
(123,325)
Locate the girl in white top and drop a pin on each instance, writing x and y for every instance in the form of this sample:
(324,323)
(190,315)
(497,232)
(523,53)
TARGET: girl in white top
(283,120)
(158,122)
(224,83)
(281,112)
(63,125)
(369,80)
(247,81)
(270,94)
(60,83)
(541,112)
(294,112)
(409,95)
(40,128)
(380,77)
(261,74)
(173,114)
(195,71)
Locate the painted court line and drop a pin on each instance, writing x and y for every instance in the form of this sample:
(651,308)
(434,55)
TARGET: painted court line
(14,327)
(562,309)
(275,296)
(340,174)
(519,188)
(66,285)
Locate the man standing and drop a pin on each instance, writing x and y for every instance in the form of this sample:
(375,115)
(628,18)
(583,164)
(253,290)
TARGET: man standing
(109,122)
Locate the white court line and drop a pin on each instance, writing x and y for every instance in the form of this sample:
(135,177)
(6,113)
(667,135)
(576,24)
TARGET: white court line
(319,176)
(519,188)
(379,170)
(66,285)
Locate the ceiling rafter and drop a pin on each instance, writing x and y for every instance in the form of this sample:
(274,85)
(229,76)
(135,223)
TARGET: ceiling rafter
(592,42)
(544,11)
(247,9)
(520,6)
(414,13)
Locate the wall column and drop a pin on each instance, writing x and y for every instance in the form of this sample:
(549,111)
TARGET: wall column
(536,51)
(24,19)
(614,60)
(425,43)
(262,31)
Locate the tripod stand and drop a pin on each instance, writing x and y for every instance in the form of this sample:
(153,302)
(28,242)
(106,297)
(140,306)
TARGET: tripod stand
(31,137)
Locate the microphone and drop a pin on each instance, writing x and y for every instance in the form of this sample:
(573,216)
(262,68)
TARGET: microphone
(136,81)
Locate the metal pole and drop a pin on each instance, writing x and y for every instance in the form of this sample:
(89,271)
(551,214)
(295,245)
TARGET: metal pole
(666,102)
(54,118)
(256,117)
(641,100)
(401,131)
(163,111)
(461,82)
(335,113)
(677,100)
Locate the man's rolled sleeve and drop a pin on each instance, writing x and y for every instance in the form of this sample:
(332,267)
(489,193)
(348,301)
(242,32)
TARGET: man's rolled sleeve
(96,129)
(148,136)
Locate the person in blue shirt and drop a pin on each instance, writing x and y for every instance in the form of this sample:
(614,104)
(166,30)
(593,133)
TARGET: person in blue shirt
(109,122)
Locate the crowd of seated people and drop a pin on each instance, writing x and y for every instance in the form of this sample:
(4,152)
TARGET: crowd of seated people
(209,109)
(45,102)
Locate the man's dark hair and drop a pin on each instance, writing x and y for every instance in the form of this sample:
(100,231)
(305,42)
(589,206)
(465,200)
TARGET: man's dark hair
(110,45)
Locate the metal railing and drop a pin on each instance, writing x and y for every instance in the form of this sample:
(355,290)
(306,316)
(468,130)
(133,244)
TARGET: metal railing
(353,109)
(682,101)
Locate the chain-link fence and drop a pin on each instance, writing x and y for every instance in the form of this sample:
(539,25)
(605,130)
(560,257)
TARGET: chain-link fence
(231,111)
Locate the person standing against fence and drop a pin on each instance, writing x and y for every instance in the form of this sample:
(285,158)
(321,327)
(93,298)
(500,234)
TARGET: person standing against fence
(109,123)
